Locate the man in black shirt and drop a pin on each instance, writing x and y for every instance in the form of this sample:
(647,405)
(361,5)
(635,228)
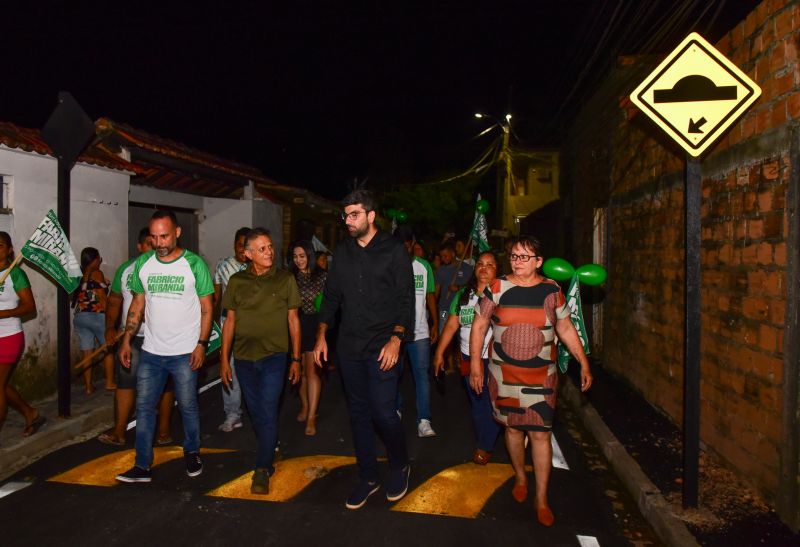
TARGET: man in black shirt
(371,280)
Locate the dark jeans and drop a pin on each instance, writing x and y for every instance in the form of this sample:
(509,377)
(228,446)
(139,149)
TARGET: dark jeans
(486,428)
(262,383)
(371,399)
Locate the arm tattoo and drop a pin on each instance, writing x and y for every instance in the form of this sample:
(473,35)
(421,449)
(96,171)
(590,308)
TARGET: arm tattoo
(133,322)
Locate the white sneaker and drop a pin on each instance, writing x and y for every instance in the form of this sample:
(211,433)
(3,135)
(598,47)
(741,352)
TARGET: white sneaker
(424,429)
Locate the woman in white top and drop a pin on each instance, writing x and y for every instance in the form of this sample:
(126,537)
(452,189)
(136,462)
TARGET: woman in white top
(16,301)
(462,310)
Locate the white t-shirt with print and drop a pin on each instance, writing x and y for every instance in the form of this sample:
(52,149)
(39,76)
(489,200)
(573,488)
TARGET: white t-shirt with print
(9,299)
(423,285)
(121,284)
(466,314)
(172,303)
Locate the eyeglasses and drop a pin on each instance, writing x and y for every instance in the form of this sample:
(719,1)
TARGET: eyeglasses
(521,258)
(352,216)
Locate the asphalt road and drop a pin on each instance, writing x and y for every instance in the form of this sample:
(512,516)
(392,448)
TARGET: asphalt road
(70,497)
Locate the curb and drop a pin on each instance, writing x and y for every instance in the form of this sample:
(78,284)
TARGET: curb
(55,434)
(655,509)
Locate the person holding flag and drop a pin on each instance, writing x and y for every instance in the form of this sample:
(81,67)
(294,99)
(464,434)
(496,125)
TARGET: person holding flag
(16,301)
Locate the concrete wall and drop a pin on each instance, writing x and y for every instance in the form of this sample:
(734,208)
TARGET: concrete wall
(99,218)
(615,158)
(269,215)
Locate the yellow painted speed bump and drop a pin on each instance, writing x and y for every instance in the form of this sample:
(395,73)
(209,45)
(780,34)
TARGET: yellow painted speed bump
(459,491)
(291,477)
(101,471)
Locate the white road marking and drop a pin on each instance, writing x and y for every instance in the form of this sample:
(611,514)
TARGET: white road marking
(203,389)
(588,541)
(13,486)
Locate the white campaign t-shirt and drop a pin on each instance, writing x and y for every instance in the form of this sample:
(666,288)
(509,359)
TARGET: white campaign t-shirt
(9,299)
(466,314)
(122,286)
(172,303)
(423,285)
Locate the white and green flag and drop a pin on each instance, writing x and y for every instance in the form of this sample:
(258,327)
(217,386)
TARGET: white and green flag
(49,249)
(215,339)
(576,316)
(479,232)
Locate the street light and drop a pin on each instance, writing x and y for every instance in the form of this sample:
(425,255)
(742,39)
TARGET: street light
(505,126)
(505,153)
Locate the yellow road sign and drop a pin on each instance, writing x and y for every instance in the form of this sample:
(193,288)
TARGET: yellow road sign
(695,94)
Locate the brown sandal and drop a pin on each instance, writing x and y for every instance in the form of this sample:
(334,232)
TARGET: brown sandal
(481,457)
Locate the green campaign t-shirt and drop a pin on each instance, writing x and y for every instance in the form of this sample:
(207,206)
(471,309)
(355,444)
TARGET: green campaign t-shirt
(172,303)
(261,304)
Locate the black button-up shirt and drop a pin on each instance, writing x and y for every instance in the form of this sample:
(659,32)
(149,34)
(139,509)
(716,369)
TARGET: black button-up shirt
(374,286)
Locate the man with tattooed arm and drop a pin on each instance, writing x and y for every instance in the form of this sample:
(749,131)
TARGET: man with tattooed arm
(173,291)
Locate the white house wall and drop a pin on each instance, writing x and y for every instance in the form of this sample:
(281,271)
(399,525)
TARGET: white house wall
(269,215)
(219,221)
(33,191)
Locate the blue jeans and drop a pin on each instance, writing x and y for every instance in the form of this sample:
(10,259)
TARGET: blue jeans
(371,399)
(150,380)
(486,428)
(232,398)
(262,384)
(419,353)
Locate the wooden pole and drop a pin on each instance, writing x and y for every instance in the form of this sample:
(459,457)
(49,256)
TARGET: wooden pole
(8,271)
(86,362)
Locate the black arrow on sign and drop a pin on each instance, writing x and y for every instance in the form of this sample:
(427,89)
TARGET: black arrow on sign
(694,126)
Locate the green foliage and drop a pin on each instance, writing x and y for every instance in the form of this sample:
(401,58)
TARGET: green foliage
(435,209)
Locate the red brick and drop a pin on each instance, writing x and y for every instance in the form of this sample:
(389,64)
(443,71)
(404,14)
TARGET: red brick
(765,202)
(778,113)
(755,229)
(768,338)
(780,254)
(754,308)
(767,367)
(763,119)
(783,23)
(750,201)
(750,24)
(789,50)
(761,72)
(771,170)
(777,312)
(774,283)
(777,58)
(793,104)
(764,253)
(773,224)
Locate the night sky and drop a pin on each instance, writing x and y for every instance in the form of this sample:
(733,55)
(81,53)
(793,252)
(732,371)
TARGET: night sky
(317,95)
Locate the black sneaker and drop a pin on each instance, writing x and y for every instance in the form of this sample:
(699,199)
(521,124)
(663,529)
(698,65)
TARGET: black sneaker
(358,497)
(194,465)
(397,485)
(135,474)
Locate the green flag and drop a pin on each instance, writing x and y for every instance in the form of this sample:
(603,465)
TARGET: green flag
(49,249)
(576,316)
(479,231)
(215,339)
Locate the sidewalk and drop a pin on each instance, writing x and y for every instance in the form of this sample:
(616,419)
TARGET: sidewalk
(645,450)
(91,414)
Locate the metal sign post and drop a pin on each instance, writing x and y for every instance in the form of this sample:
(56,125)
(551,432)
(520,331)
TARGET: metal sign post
(694,95)
(67,132)
(691,351)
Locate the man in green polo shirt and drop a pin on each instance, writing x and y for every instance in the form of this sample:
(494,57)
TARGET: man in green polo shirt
(262,321)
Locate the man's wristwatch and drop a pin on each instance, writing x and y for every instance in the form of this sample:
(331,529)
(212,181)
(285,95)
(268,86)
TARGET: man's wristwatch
(401,334)
(203,343)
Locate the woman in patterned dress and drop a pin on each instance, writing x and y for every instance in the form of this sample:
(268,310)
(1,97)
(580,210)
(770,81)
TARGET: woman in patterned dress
(526,312)
(310,281)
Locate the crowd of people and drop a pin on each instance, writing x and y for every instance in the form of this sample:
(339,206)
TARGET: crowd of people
(388,301)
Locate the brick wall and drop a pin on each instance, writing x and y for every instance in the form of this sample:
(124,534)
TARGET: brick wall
(744,250)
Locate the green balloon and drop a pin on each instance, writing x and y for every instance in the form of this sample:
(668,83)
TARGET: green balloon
(558,269)
(402,216)
(318,301)
(482,206)
(591,274)
(391,213)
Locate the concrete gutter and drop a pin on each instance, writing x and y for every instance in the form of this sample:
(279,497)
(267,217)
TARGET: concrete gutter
(655,509)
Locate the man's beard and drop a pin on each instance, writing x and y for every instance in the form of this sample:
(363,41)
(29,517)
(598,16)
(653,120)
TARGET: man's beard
(358,232)
(163,251)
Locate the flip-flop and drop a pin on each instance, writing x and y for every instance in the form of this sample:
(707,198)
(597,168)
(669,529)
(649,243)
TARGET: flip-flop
(107,438)
(34,426)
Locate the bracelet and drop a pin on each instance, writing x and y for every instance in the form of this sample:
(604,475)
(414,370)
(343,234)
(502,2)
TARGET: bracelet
(295,359)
